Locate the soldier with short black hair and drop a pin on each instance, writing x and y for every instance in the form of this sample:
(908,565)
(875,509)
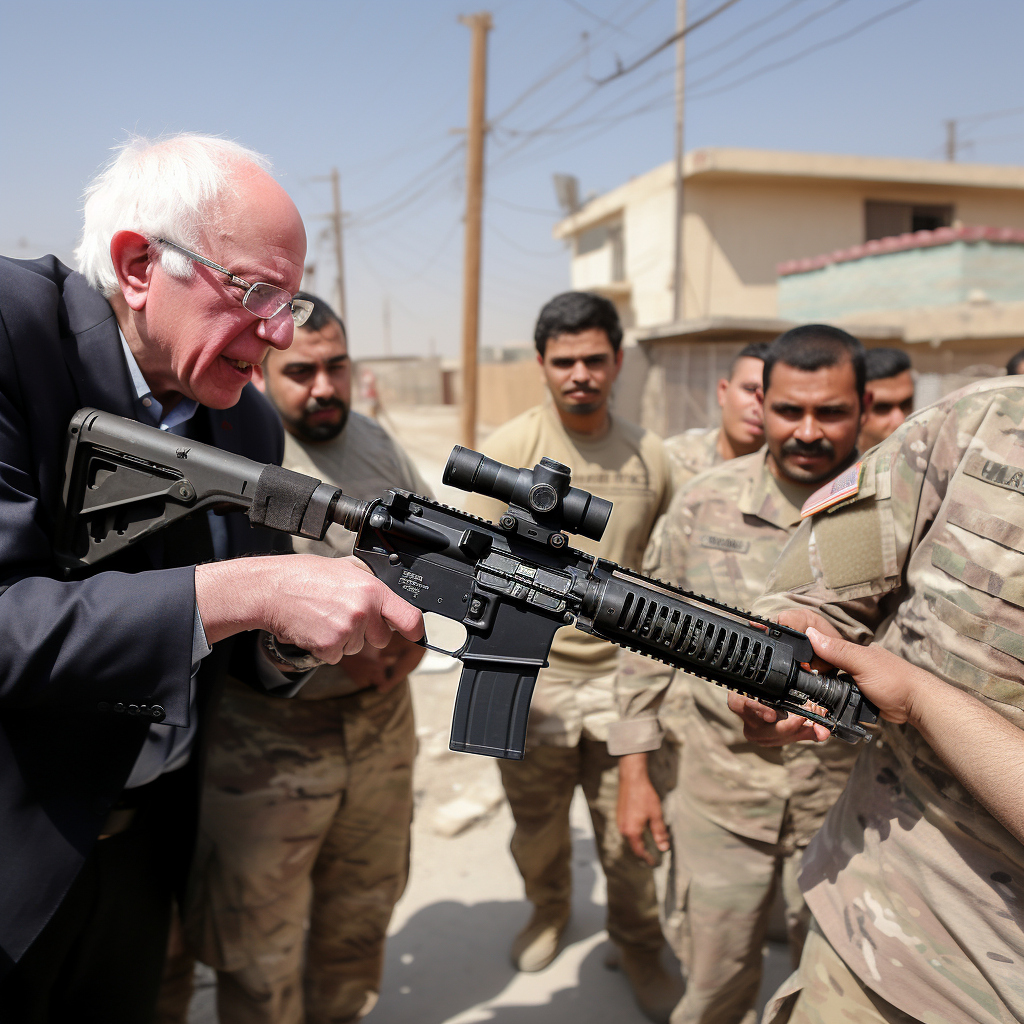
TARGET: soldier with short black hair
(738,817)
(741,431)
(578,340)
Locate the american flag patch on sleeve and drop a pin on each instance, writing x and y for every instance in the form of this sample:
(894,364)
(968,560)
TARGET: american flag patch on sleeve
(844,486)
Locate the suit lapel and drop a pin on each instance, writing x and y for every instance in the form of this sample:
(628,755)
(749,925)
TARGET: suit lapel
(92,350)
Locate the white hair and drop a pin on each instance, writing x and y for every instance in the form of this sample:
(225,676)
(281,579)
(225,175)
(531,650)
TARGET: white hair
(161,188)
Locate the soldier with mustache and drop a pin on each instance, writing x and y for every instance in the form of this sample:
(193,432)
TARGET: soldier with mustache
(736,818)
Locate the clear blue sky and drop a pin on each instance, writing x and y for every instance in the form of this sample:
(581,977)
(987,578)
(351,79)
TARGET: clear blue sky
(377,88)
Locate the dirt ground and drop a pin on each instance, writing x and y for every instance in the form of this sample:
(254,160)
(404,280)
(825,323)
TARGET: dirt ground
(447,956)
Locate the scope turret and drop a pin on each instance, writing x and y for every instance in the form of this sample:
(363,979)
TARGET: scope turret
(544,491)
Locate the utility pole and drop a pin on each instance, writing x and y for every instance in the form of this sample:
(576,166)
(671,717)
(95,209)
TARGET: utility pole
(951,143)
(678,270)
(335,218)
(339,252)
(480,24)
(386,316)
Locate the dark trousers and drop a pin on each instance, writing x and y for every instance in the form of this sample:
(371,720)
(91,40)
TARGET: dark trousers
(100,957)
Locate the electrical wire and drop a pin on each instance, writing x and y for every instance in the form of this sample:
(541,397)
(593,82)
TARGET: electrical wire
(771,41)
(824,44)
(746,30)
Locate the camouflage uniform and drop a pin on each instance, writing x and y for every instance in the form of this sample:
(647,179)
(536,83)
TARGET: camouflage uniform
(917,888)
(573,702)
(739,815)
(307,806)
(692,452)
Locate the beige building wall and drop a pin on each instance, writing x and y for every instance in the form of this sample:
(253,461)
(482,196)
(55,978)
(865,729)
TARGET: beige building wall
(746,211)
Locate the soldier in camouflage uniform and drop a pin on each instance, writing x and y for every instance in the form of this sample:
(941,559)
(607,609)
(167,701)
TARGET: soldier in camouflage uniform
(739,816)
(307,803)
(741,431)
(916,880)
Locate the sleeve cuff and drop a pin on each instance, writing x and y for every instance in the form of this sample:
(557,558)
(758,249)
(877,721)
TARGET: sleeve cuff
(634,736)
(276,682)
(200,646)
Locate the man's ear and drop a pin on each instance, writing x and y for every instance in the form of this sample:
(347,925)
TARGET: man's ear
(865,406)
(259,378)
(720,390)
(129,252)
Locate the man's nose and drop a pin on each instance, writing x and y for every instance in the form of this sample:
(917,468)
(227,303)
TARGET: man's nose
(323,386)
(809,429)
(279,330)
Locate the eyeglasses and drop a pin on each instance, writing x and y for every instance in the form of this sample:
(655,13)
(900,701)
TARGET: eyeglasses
(261,299)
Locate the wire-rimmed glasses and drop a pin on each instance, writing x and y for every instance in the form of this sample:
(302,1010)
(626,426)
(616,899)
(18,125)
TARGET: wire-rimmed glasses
(261,299)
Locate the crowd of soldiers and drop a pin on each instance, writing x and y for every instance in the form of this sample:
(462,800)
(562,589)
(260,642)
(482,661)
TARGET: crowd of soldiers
(895,541)
(697,827)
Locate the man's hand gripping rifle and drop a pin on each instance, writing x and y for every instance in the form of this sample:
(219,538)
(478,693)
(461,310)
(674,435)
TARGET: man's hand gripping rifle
(511,584)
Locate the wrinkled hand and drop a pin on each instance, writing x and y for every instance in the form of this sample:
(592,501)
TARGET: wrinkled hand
(330,607)
(639,807)
(770,728)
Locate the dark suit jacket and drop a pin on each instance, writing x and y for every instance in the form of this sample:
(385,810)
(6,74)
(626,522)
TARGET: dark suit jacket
(68,647)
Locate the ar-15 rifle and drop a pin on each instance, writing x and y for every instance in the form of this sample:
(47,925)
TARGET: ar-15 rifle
(511,584)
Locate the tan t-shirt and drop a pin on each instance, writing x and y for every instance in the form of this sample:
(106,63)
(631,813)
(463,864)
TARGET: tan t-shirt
(629,467)
(364,461)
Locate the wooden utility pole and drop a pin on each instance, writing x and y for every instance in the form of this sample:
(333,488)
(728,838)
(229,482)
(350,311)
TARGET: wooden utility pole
(480,24)
(951,143)
(678,270)
(339,249)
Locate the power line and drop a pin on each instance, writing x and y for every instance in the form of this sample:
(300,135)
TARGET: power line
(771,41)
(746,30)
(674,38)
(785,62)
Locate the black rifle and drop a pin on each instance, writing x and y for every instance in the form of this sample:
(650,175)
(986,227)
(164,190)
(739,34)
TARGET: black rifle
(510,584)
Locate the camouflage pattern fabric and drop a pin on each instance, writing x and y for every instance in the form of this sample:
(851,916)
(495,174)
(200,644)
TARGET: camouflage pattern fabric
(307,807)
(306,817)
(692,452)
(722,888)
(540,790)
(823,990)
(918,888)
(736,811)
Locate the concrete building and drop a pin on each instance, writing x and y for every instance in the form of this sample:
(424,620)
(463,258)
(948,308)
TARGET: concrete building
(748,211)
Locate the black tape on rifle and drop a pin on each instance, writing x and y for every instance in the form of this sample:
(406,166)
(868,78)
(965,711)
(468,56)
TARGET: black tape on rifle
(281,499)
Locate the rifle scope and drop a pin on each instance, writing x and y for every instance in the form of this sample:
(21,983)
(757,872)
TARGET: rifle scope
(543,491)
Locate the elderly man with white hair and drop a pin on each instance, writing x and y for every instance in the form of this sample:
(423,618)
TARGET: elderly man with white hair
(190,259)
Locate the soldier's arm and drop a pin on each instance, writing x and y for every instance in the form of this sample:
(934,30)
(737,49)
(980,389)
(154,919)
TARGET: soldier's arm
(983,750)
(640,688)
(640,683)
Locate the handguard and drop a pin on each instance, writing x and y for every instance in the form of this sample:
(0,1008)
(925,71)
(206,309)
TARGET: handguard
(511,584)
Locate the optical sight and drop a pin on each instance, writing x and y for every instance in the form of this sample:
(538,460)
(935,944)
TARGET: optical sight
(542,492)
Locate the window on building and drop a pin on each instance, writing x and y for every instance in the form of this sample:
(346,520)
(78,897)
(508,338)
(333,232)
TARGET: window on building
(881,219)
(596,238)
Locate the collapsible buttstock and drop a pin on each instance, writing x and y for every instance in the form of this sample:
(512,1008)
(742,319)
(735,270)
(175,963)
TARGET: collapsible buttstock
(492,709)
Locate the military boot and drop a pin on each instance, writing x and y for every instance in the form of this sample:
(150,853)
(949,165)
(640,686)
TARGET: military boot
(537,944)
(655,989)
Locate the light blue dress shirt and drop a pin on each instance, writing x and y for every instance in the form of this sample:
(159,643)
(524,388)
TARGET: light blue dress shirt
(168,747)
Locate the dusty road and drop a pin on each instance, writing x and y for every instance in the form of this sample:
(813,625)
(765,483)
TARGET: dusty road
(447,956)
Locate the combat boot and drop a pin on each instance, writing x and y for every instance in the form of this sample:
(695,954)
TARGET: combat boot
(537,944)
(656,990)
